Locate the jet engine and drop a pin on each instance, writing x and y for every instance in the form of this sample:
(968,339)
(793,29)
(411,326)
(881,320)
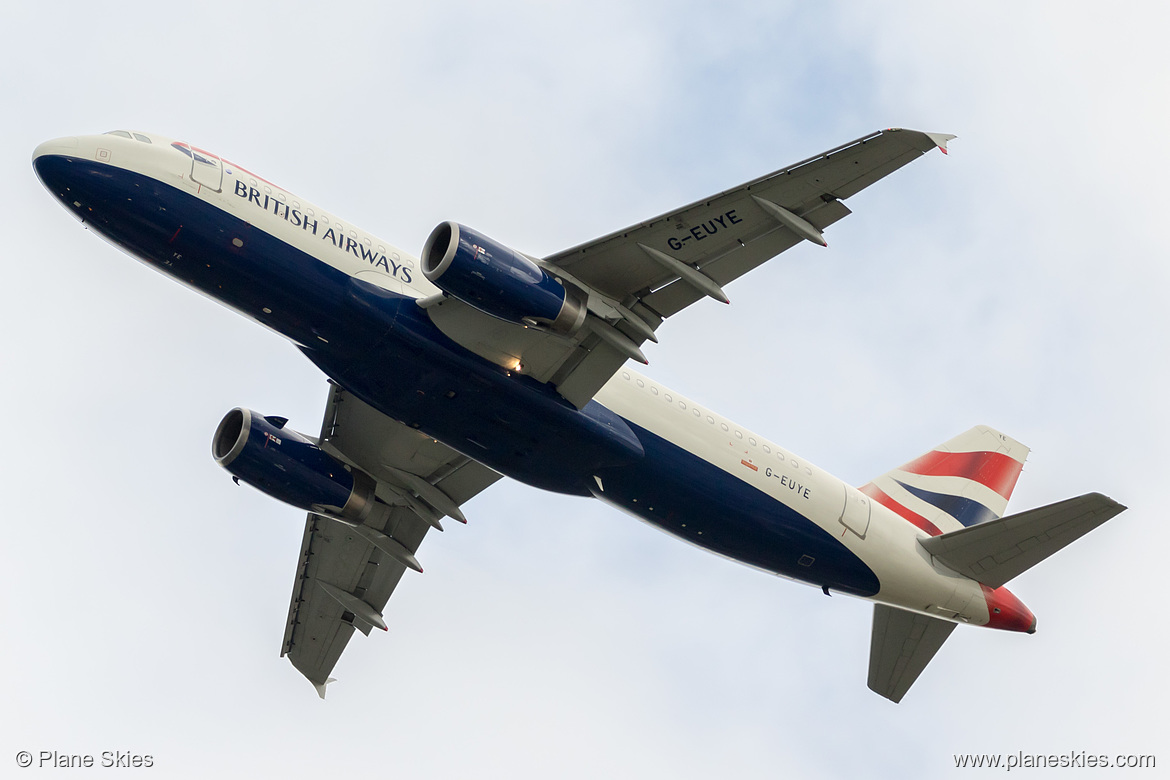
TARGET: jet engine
(499,281)
(290,467)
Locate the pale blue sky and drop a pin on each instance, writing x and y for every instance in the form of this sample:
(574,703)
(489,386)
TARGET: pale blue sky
(1019,282)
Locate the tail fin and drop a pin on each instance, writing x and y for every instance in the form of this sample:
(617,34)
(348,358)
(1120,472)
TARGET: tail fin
(964,482)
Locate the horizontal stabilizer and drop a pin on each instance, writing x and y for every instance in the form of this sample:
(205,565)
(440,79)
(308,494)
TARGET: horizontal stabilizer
(997,551)
(901,646)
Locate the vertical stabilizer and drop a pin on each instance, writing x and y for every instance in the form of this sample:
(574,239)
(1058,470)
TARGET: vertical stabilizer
(964,482)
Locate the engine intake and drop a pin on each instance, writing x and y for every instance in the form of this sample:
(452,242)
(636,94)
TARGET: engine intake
(290,467)
(499,281)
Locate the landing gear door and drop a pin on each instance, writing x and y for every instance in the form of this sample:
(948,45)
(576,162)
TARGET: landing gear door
(206,170)
(855,512)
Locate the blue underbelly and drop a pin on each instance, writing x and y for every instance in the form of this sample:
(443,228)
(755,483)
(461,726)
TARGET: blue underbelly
(680,493)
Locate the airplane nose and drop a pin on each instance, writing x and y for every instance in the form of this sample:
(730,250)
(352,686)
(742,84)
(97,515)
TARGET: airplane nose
(49,159)
(58,146)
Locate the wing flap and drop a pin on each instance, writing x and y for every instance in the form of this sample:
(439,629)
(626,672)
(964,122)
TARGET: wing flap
(901,645)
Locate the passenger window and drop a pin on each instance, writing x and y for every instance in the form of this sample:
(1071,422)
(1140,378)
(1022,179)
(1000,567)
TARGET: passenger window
(710,419)
(626,375)
(738,435)
(767,450)
(668,398)
(723,426)
(696,413)
(681,405)
(641,383)
(654,390)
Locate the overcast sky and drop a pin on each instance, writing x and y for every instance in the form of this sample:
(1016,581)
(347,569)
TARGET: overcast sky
(1020,282)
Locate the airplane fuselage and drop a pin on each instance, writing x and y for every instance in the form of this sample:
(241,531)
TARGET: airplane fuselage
(347,300)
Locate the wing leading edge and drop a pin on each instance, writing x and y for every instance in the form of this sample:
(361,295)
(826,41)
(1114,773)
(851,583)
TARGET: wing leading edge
(346,574)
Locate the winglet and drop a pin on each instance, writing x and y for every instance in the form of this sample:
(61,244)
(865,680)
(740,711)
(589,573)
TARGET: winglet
(321,687)
(940,140)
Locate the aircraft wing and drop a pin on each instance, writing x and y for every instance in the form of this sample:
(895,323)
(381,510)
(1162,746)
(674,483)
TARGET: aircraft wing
(346,574)
(638,276)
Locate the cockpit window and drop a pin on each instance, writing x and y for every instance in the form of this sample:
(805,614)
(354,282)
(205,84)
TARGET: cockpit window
(135,136)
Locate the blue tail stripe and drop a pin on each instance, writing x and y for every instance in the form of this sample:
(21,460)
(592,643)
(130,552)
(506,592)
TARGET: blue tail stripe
(967,511)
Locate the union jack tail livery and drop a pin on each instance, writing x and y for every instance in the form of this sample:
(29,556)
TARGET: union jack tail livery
(958,493)
(964,482)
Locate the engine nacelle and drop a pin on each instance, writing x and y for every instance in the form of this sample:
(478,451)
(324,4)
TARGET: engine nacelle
(289,467)
(499,281)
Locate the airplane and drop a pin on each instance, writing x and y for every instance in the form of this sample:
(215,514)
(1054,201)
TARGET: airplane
(475,361)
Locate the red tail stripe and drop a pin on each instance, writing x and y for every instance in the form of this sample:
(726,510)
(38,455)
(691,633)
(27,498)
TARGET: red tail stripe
(992,469)
(874,492)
